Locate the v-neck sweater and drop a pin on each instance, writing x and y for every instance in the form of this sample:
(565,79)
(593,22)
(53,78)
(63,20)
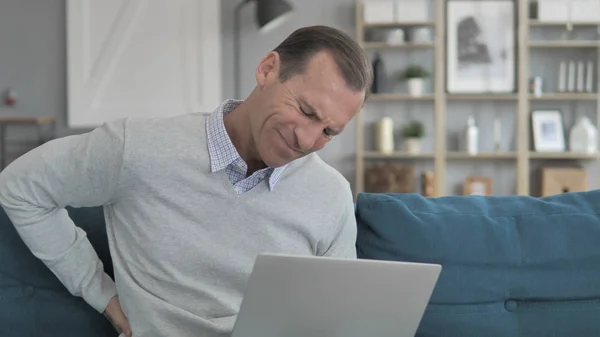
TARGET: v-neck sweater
(182,240)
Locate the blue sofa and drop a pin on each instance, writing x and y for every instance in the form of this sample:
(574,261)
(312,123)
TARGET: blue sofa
(512,266)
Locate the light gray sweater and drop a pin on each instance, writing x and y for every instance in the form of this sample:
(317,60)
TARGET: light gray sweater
(183,242)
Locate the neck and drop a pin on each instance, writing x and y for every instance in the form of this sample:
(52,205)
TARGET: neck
(237,125)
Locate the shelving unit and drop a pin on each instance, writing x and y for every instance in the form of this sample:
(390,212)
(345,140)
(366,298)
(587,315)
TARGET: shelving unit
(481,155)
(562,155)
(438,105)
(564,44)
(482,97)
(565,97)
(538,23)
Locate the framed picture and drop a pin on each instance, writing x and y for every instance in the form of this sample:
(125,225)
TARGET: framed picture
(548,131)
(478,186)
(481,46)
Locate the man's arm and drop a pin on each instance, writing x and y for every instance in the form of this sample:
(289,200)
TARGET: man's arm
(344,242)
(78,171)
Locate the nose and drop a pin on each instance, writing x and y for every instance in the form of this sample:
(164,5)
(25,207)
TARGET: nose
(307,136)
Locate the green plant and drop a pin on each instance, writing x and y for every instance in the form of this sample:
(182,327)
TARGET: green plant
(414,71)
(414,129)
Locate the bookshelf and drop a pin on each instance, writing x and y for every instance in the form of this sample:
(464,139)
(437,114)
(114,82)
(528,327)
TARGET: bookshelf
(435,104)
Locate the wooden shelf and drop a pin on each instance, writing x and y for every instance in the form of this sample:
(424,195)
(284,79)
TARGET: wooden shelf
(482,155)
(483,97)
(538,23)
(400,24)
(564,44)
(562,155)
(382,45)
(567,96)
(438,106)
(400,97)
(397,155)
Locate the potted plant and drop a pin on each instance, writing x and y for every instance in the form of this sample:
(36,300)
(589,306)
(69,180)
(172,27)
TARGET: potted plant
(414,76)
(412,134)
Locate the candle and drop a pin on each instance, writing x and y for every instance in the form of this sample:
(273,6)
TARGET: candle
(385,135)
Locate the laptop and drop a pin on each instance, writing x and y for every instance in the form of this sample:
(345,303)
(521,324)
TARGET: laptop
(307,296)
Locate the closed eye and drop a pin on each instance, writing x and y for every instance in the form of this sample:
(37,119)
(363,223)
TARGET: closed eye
(306,114)
(328,133)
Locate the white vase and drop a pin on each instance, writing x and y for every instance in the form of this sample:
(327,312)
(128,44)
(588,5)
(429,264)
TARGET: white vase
(415,86)
(583,137)
(412,145)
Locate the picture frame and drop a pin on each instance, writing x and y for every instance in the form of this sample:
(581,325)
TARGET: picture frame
(477,186)
(481,46)
(548,131)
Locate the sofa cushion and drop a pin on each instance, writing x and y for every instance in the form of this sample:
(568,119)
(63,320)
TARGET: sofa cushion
(33,302)
(511,265)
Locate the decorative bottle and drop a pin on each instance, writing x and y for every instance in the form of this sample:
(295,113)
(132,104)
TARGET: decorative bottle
(378,75)
(472,136)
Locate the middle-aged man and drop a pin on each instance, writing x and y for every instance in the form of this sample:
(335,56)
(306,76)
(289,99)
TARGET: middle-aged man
(191,200)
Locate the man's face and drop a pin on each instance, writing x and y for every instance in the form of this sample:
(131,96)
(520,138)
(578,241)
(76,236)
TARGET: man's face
(302,114)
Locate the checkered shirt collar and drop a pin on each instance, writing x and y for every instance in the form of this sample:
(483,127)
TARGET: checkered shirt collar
(221,150)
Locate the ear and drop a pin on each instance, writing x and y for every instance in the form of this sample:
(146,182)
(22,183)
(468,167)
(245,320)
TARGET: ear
(268,69)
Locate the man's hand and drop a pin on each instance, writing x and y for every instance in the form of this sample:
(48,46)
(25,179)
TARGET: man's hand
(116,316)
